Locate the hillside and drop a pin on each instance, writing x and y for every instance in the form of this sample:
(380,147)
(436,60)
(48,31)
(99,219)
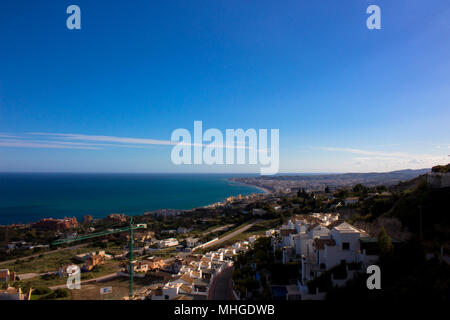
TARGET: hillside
(409,184)
(441,169)
(415,268)
(423,205)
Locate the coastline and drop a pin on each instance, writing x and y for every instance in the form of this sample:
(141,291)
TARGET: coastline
(79,217)
(263,189)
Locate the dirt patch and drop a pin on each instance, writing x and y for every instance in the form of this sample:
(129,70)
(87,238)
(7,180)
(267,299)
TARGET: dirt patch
(119,286)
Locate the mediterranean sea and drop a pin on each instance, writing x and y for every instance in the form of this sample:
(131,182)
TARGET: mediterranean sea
(29,197)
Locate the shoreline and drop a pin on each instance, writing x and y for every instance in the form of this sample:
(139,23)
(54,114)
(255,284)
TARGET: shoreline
(264,190)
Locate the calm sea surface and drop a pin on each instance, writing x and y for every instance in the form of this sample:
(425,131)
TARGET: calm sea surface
(30,197)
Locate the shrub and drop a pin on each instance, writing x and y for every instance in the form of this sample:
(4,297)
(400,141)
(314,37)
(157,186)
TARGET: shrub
(42,290)
(62,293)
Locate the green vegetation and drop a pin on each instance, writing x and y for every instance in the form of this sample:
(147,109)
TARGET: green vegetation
(406,275)
(407,272)
(163,253)
(52,279)
(257,269)
(421,210)
(44,293)
(425,212)
(323,282)
(384,243)
(47,262)
(441,169)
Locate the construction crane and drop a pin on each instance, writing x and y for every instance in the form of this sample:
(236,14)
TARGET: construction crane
(128,229)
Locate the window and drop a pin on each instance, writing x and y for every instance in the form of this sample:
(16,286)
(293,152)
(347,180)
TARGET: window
(345,245)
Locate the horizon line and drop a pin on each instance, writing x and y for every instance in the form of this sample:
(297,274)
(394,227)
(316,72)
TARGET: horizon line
(205,173)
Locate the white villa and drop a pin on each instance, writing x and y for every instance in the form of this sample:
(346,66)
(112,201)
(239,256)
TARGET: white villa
(321,244)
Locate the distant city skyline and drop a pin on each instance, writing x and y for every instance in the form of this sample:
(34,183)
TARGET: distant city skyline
(106,98)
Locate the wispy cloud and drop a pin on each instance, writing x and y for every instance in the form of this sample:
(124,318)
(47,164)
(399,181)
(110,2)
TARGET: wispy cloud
(368,152)
(112,139)
(93,142)
(15,143)
(4,135)
(75,141)
(390,160)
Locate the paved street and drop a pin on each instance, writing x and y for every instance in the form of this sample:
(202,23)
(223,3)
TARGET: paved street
(26,276)
(231,235)
(221,288)
(102,278)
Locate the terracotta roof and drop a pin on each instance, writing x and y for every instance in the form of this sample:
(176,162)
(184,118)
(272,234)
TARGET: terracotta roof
(205,259)
(187,278)
(186,288)
(183,297)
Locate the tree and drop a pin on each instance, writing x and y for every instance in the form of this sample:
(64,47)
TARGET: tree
(42,291)
(360,190)
(62,293)
(342,194)
(384,243)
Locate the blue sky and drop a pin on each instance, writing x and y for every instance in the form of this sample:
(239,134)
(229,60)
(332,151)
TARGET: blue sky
(345,98)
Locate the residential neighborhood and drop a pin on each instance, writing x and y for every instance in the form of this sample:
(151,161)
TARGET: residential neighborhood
(283,245)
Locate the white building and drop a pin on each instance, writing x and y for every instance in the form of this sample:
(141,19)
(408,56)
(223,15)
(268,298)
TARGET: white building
(171,290)
(191,242)
(350,201)
(340,247)
(319,247)
(170,242)
(11,293)
(258,212)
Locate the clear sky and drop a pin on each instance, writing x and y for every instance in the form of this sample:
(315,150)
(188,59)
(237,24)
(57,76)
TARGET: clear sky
(345,98)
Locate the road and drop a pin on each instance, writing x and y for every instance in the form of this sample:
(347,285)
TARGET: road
(45,253)
(102,278)
(26,276)
(231,235)
(219,229)
(221,288)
